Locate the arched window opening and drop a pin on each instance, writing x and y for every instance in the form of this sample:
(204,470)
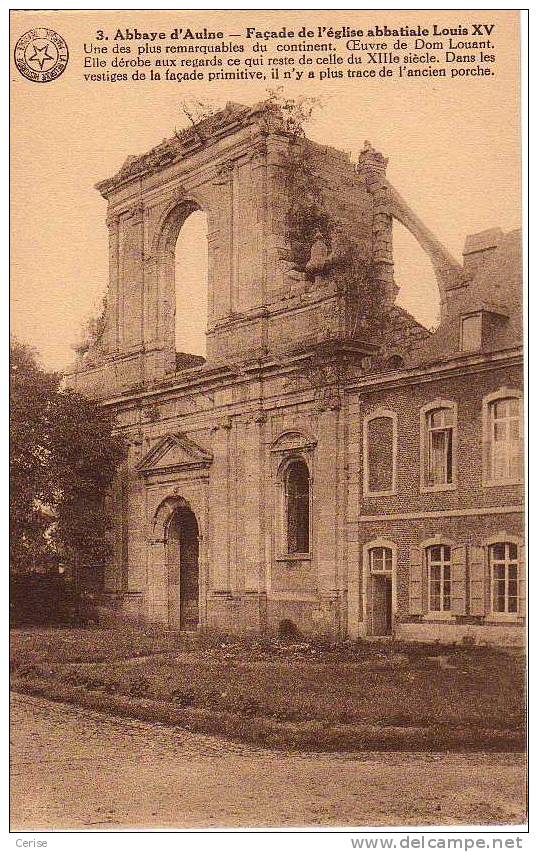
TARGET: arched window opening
(394,362)
(191,285)
(440,426)
(439,445)
(414,275)
(297,494)
(506,439)
(380,453)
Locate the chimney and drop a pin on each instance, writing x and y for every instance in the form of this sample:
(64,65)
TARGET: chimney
(479,247)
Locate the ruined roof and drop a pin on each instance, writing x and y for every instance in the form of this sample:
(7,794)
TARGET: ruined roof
(406,331)
(183,143)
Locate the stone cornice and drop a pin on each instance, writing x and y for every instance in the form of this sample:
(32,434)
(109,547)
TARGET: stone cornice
(224,376)
(186,143)
(455,366)
(471,512)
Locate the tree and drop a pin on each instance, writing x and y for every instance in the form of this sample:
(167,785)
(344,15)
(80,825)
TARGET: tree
(32,393)
(63,457)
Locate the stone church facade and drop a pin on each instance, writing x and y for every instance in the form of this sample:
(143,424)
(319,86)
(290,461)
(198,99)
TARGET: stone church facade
(356,479)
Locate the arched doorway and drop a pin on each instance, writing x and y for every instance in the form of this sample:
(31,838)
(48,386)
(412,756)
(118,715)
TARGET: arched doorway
(380,586)
(183,569)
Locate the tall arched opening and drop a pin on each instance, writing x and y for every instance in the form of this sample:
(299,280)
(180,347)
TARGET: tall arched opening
(415,276)
(191,285)
(182,558)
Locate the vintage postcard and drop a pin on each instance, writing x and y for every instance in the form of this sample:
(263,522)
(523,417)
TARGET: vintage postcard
(267,391)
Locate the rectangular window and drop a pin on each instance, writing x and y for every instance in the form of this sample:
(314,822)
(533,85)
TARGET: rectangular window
(380,560)
(439,447)
(506,440)
(471,333)
(439,578)
(504,567)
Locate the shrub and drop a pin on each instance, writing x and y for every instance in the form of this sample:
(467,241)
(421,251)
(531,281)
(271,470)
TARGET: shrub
(183,697)
(29,670)
(287,629)
(140,687)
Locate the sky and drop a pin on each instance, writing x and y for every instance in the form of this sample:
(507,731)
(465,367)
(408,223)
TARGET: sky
(453,149)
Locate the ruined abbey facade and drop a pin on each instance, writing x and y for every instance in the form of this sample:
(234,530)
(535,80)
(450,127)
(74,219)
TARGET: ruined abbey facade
(330,463)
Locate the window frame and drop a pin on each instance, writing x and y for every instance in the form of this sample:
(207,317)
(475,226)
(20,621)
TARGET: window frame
(379,413)
(442,612)
(297,464)
(283,553)
(366,583)
(424,452)
(463,318)
(487,436)
(492,615)
(384,570)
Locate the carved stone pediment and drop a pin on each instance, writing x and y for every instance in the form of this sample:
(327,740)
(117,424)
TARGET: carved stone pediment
(292,440)
(174,452)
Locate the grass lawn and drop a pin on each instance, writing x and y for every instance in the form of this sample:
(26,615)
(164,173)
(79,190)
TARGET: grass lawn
(38,645)
(438,689)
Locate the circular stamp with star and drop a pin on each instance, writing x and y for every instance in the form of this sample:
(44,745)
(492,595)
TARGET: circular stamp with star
(41,55)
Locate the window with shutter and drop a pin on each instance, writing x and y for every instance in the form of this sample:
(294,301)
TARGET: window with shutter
(506,440)
(439,561)
(439,451)
(504,577)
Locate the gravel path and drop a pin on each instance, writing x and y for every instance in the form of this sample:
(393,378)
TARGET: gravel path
(77,769)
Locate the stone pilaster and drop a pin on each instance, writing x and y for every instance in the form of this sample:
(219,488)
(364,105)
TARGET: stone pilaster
(132,278)
(219,531)
(277,208)
(259,178)
(158,592)
(325,501)
(224,271)
(111,337)
(372,168)
(253,509)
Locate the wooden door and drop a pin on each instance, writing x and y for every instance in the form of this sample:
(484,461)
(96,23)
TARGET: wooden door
(189,579)
(381,605)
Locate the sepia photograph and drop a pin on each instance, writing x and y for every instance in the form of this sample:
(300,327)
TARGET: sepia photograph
(267,456)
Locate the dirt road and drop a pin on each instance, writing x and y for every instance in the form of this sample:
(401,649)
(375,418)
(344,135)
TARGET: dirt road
(83,770)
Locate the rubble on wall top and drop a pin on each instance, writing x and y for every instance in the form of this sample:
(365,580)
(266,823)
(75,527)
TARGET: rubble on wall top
(185,142)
